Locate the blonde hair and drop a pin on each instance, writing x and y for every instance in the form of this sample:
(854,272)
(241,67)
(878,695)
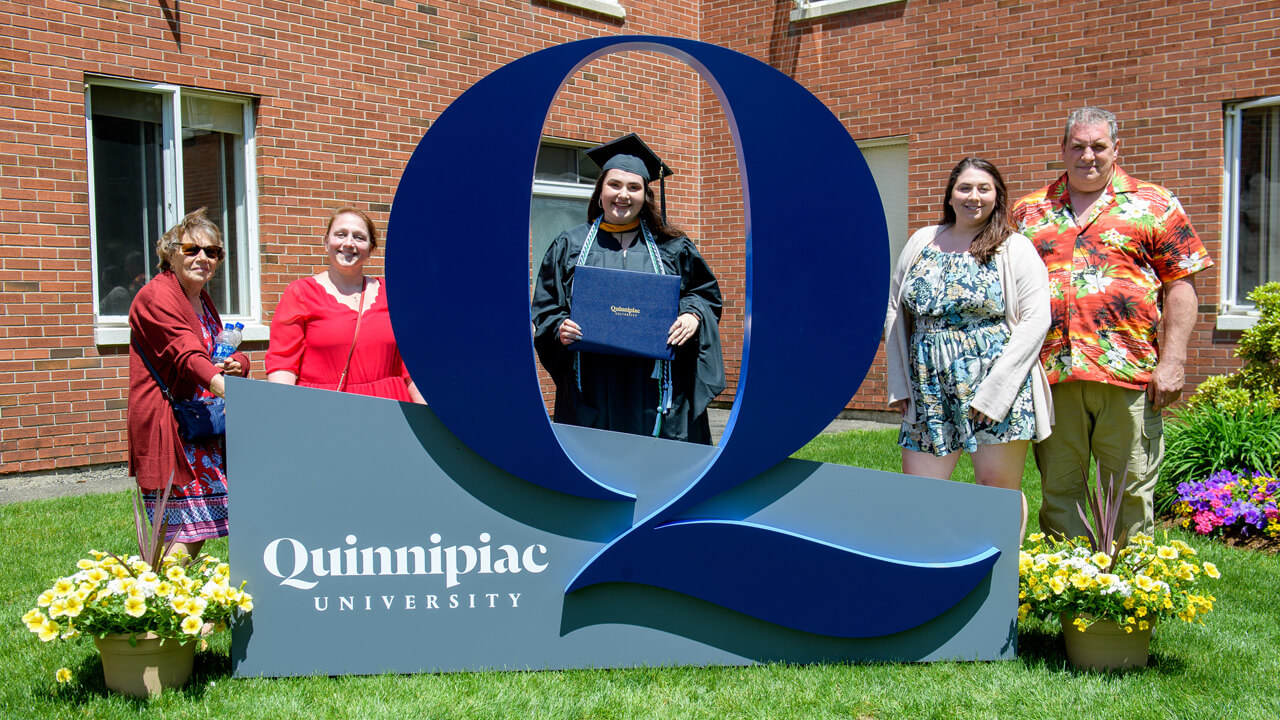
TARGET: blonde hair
(193,223)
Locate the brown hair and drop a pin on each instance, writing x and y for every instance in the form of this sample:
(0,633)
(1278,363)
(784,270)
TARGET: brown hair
(368,223)
(193,223)
(998,227)
(662,230)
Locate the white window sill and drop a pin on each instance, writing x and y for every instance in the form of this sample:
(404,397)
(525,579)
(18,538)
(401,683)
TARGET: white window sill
(604,7)
(810,10)
(118,334)
(1236,321)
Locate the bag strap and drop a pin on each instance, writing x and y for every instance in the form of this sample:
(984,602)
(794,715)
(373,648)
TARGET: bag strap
(163,388)
(342,381)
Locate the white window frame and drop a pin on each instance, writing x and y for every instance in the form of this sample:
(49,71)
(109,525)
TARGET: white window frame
(903,142)
(612,8)
(114,329)
(809,9)
(555,189)
(1233,315)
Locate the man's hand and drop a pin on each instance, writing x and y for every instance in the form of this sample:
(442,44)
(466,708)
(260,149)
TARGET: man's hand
(1165,386)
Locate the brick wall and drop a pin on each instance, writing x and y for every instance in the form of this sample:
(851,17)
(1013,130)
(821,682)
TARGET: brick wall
(345,89)
(997,78)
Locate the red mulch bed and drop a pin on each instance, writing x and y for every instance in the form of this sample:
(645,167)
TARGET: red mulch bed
(1258,542)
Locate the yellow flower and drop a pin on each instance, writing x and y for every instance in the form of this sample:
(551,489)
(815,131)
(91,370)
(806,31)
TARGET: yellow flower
(245,603)
(191,624)
(164,589)
(58,608)
(175,573)
(1082,582)
(64,586)
(135,606)
(1165,552)
(84,563)
(179,604)
(45,599)
(74,605)
(1057,585)
(48,630)
(97,575)
(1145,583)
(1102,560)
(63,675)
(1212,570)
(196,606)
(148,577)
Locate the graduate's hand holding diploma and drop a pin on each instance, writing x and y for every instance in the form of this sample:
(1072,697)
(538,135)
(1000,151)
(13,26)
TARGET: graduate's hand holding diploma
(685,327)
(569,332)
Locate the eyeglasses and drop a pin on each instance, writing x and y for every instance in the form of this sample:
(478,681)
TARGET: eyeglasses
(213,252)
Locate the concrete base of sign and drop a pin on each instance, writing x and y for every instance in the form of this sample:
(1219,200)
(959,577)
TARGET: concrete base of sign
(374,541)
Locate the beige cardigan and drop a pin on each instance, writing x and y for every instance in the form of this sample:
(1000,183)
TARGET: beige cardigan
(1025,282)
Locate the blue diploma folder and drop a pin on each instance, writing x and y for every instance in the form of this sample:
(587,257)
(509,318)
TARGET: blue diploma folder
(623,312)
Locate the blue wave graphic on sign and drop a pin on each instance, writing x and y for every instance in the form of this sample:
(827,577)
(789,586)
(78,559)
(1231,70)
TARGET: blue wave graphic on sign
(788,579)
(815,295)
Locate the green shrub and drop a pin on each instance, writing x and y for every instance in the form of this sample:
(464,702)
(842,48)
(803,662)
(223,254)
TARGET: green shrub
(1204,439)
(1258,382)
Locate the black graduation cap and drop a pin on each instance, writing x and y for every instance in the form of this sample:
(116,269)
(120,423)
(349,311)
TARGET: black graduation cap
(629,153)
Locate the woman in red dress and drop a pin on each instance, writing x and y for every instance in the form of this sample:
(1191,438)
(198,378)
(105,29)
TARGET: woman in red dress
(332,330)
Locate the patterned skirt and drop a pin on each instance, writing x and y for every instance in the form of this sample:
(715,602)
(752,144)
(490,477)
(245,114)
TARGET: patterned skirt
(198,510)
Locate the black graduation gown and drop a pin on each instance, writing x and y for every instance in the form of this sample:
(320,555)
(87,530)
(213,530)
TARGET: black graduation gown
(620,393)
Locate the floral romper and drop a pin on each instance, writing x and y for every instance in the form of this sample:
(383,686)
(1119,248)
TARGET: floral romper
(198,510)
(957,307)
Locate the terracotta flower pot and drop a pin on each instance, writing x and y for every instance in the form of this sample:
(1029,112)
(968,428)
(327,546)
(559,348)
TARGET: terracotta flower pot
(148,668)
(1104,645)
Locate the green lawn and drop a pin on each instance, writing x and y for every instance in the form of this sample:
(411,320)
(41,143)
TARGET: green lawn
(1227,668)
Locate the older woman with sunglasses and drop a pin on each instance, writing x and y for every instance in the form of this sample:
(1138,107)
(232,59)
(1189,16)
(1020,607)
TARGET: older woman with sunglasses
(172,324)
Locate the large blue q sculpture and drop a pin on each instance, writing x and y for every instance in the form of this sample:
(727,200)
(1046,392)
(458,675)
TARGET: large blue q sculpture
(816,279)
(474,533)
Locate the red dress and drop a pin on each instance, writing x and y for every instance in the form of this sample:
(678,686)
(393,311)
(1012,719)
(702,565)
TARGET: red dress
(311,335)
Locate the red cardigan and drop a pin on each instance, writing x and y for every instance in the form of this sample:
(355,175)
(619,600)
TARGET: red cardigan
(162,322)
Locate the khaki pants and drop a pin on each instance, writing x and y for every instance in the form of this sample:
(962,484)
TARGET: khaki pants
(1120,430)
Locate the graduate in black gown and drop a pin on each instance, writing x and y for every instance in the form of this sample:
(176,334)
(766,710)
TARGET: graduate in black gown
(627,232)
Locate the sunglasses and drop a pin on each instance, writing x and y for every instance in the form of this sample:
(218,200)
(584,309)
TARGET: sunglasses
(213,252)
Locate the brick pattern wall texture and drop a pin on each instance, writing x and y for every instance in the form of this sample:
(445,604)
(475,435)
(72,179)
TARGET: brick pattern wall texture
(344,90)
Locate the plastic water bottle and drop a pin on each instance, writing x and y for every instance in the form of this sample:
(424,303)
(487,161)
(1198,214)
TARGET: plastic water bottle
(227,341)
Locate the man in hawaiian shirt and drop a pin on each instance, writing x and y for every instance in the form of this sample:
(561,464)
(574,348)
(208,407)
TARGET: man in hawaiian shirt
(1117,249)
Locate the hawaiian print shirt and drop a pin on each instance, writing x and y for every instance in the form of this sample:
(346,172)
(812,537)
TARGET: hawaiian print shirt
(1105,275)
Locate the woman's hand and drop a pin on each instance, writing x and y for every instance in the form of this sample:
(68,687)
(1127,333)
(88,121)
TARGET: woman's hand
(569,332)
(218,386)
(899,405)
(685,327)
(981,418)
(231,367)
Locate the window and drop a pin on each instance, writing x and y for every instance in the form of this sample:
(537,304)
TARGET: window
(887,158)
(807,9)
(1251,208)
(612,8)
(562,184)
(157,152)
